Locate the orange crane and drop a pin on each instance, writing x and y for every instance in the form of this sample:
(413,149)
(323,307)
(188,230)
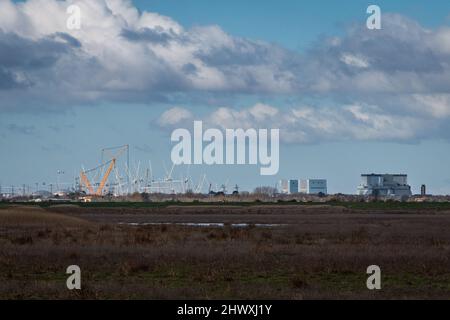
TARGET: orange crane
(112,163)
(105,178)
(85,181)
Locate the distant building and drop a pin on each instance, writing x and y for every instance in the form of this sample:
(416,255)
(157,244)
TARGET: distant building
(386,185)
(307,186)
(284,186)
(313,186)
(293,186)
(423,190)
(42,194)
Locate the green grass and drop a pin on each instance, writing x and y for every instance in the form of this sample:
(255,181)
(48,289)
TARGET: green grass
(220,285)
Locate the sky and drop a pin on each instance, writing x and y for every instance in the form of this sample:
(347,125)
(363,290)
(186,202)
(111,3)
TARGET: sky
(348,100)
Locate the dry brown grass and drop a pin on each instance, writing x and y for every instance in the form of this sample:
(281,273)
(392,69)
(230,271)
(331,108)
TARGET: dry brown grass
(19,216)
(321,255)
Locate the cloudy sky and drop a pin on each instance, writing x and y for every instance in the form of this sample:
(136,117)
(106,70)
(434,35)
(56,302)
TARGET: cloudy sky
(348,100)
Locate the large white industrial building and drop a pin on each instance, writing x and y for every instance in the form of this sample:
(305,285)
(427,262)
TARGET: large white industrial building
(283,186)
(387,185)
(307,186)
(313,186)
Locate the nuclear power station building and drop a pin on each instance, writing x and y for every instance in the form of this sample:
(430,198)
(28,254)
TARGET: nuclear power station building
(313,186)
(385,185)
(306,186)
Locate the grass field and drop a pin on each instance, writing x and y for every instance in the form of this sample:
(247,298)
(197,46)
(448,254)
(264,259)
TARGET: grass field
(373,205)
(320,252)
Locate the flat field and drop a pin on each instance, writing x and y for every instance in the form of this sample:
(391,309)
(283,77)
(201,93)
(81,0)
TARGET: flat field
(225,252)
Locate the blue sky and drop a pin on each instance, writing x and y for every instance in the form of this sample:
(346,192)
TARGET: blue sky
(53,120)
(292,23)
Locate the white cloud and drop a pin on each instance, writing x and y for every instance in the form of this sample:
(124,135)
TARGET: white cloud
(262,112)
(137,55)
(174,116)
(123,55)
(306,124)
(355,61)
(436,105)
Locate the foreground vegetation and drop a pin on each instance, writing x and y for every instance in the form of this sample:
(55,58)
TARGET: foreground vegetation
(359,205)
(321,252)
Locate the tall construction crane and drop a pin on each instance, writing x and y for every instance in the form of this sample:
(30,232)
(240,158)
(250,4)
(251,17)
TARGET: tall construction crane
(110,164)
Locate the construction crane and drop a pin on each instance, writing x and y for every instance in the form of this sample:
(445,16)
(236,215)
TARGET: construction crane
(84,180)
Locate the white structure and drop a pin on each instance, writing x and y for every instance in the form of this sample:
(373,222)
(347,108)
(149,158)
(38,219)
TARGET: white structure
(289,186)
(313,186)
(387,185)
(284,186)
(308,186)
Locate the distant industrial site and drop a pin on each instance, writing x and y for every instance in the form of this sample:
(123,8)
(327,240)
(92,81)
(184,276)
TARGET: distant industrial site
(115,179)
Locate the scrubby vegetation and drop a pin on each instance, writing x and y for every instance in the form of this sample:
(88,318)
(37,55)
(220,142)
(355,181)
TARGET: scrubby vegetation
(321,252)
